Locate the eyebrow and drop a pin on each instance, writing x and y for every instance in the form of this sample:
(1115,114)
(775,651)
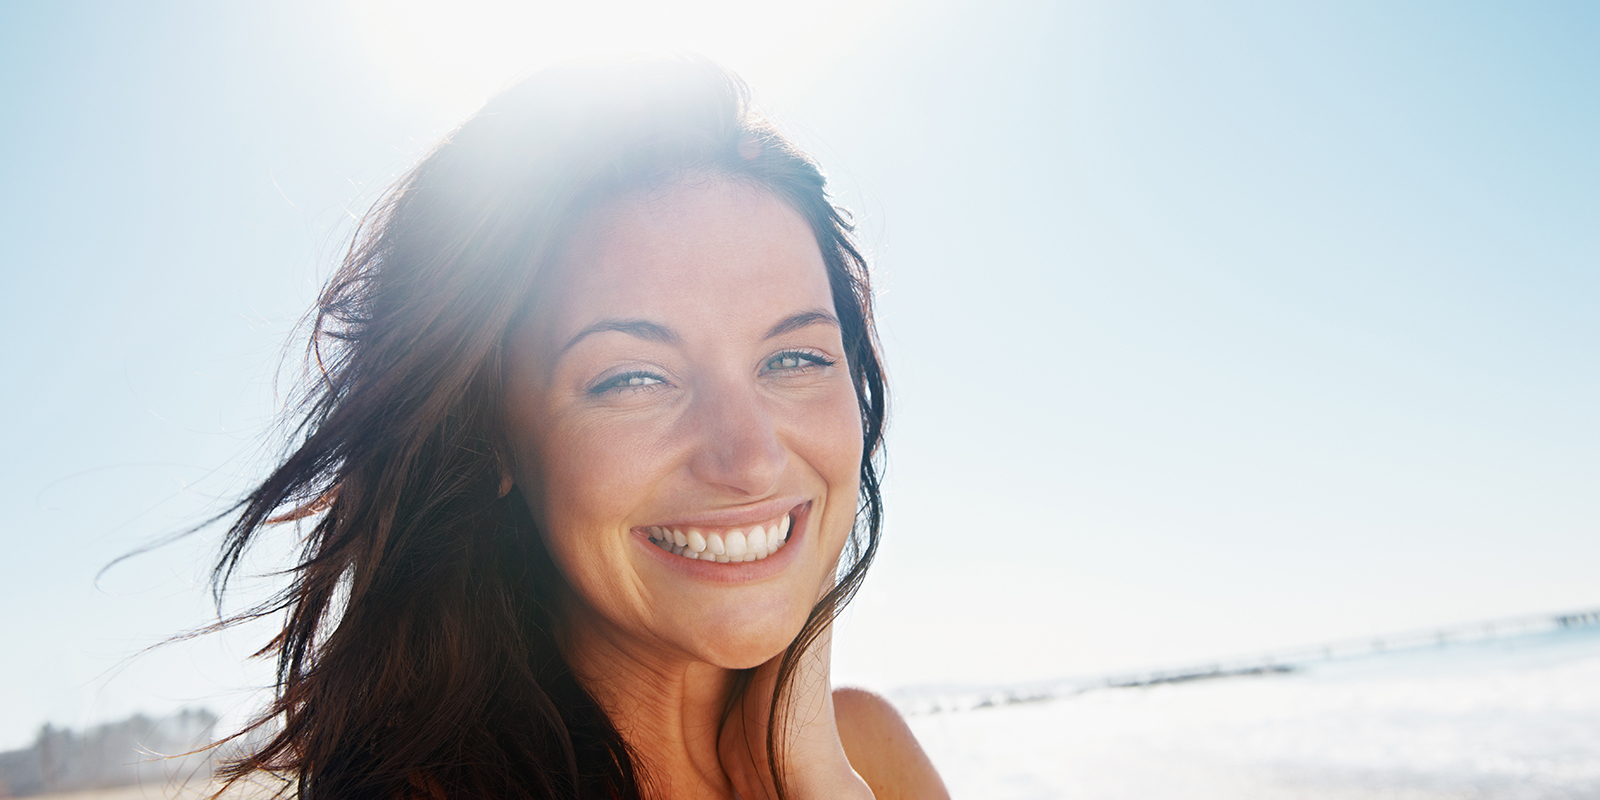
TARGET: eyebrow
(651,332)
(803,319)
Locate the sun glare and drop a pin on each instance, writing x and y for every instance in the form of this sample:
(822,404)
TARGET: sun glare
(451,57)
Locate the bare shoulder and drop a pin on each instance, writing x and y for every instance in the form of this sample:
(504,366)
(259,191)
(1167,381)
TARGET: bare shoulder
(882,749)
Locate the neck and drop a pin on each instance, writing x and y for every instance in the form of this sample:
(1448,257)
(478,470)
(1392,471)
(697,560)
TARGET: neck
(668,709)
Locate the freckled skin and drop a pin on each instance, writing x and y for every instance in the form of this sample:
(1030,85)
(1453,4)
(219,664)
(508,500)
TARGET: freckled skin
(706,412)
(714,425)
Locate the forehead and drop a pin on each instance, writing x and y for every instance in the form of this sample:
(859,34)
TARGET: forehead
(709,250)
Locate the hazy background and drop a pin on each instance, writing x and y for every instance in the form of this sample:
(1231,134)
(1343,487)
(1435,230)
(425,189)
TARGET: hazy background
(1211,330)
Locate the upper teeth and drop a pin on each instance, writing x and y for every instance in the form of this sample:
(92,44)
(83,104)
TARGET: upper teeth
(740,544)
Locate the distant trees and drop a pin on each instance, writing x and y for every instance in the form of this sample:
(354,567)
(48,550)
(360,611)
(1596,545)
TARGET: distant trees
(137,750)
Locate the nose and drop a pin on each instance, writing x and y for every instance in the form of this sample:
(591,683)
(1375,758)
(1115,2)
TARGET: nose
(737,444)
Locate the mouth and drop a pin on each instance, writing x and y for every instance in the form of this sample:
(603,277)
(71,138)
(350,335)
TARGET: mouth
(733,545)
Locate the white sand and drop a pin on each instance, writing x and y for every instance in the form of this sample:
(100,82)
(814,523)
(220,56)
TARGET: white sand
(1499,720)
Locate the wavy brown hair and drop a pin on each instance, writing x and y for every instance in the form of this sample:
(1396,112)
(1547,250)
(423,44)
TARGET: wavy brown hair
(418,655)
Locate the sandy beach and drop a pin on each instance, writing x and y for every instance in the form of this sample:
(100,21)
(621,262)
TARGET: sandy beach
(1515,718)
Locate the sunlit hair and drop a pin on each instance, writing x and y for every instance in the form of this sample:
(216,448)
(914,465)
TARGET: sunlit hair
(418,655)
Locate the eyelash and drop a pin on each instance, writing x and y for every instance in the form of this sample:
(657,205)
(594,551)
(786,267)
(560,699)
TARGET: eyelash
(805,359)
(625,381)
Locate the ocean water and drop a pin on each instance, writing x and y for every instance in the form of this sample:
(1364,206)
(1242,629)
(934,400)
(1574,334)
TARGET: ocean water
(1509,717)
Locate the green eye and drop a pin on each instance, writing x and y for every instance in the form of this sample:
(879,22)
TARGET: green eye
(797,359)
(627,380)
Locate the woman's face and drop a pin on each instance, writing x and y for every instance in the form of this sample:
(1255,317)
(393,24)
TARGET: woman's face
(681,389)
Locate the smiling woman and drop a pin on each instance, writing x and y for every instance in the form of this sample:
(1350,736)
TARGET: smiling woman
(706,397)
(588,469)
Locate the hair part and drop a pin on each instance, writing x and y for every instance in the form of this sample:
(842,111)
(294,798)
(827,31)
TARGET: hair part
(419,655)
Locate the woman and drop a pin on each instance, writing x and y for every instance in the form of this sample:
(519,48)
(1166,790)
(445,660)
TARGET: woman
(594,429)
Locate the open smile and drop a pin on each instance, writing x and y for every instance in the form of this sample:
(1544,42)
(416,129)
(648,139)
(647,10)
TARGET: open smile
(725,546)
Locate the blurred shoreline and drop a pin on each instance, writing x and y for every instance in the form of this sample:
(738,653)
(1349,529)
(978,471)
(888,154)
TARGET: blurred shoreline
(1514,716)
(1506,708)
(933,699)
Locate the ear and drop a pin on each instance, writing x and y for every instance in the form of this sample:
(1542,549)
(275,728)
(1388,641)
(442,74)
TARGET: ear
(506,481)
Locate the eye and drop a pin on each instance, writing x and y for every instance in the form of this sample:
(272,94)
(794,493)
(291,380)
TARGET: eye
(790,360)
(628,381)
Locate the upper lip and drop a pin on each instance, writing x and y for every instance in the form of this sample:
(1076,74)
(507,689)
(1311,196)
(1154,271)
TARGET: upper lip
(738,516)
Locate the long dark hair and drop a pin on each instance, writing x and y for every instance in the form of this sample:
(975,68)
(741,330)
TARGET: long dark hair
(418,655)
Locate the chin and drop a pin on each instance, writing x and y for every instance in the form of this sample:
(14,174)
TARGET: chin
(743,646)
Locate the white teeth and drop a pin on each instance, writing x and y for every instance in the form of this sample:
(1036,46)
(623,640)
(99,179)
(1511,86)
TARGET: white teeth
(733,547)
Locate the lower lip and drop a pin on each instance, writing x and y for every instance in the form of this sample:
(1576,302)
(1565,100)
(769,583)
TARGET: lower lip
(744,571)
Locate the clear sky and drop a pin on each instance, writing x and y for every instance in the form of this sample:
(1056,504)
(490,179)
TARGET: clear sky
(1212,328)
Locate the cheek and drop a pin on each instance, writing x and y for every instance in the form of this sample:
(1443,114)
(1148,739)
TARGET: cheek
(587,486)
(591,476)
(846,453)
(846,427)
(833,434)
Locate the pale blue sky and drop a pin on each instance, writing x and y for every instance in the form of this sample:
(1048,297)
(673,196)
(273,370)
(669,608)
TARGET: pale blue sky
(1211,329)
